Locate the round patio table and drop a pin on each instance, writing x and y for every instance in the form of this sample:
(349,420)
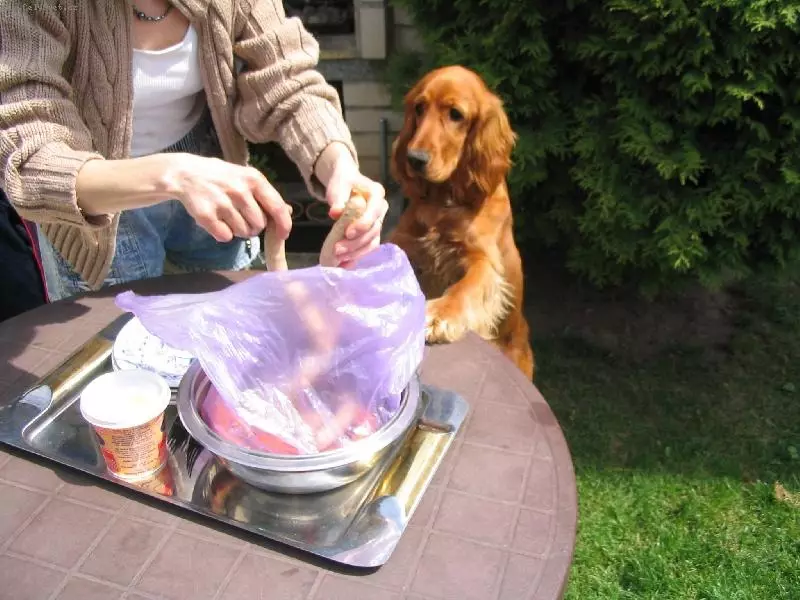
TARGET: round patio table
(497,522)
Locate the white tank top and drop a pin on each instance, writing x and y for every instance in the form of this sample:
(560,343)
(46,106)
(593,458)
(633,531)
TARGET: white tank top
(167,95)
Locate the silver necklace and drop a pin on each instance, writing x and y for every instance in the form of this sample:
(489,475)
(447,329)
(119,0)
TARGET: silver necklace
(142,16)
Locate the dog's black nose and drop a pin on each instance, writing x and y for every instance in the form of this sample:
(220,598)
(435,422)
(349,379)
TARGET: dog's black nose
(418,159)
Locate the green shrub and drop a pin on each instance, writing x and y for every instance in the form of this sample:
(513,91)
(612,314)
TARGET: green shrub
(263,158)
(658,138)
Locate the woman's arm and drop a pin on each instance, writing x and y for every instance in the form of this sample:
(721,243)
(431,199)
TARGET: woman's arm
(43,140)
(111,186)
(283,97)
(51,172)
(225,199)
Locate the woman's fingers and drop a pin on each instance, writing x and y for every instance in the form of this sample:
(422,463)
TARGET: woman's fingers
(351,250)
(271,202)
(249,209)
(230,215)
(376,208)
(230,200)
(206,216)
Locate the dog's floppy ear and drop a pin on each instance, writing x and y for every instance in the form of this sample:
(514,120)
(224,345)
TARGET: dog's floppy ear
(399,158)
(489,146)
(400,147)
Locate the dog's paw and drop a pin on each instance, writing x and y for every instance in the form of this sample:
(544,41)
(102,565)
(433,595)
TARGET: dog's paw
(444,321)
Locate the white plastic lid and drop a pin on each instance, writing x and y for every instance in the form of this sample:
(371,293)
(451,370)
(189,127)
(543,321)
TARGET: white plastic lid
(136,348)
(123,399)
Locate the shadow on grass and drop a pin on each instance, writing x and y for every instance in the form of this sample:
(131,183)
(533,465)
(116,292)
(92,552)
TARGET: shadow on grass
(723,405)
(680,413)
(687,459)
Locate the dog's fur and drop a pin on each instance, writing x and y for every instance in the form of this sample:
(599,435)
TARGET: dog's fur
(457,229)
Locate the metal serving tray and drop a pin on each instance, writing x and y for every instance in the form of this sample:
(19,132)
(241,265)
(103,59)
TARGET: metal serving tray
(358,525)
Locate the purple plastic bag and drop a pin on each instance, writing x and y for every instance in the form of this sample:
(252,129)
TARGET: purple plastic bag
(252,340)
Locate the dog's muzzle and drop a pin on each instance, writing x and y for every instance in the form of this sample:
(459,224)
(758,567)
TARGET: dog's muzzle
(418,160)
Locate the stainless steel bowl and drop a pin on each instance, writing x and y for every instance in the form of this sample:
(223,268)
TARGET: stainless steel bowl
(303,474)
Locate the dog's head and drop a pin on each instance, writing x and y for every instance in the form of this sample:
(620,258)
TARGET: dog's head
(454,131)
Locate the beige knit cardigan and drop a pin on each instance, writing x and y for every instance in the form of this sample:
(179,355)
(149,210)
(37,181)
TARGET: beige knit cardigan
(66,98)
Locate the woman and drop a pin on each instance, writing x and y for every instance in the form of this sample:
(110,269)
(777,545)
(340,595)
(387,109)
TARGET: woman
(124,129)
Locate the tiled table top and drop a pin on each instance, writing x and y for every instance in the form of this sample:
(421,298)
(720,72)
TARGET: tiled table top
(497,523)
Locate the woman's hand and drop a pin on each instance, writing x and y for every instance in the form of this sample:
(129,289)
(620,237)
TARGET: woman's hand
(225,199)
(363,235)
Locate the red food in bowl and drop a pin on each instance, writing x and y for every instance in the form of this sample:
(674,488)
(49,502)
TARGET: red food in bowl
(223,420)
(351,420)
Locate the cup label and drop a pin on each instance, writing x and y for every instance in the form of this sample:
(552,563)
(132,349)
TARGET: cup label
(134,451)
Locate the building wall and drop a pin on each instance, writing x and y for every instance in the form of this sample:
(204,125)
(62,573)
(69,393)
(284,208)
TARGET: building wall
(380,30)
(404,36)
(366,103)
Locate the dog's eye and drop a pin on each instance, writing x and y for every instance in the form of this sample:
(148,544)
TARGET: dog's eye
(456,115)
(419,108)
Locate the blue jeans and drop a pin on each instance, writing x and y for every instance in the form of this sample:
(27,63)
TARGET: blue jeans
(148,236)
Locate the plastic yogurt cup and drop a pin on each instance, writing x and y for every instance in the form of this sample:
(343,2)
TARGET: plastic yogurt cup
(126,411)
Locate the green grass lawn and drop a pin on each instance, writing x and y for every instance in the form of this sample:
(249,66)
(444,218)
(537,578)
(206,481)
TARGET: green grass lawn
(678,458)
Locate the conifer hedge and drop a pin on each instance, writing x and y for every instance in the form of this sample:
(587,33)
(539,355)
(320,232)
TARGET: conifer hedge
(659,139)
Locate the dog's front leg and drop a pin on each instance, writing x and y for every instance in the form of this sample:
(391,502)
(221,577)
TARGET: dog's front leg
(477,302)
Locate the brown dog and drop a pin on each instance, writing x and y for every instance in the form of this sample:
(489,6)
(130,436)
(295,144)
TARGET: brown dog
(451,159)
